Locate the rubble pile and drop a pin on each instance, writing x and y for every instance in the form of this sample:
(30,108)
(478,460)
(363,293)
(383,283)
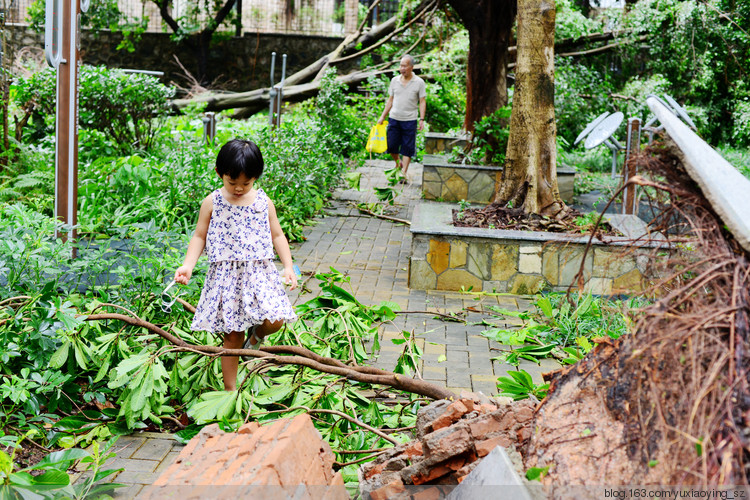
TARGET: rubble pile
(452,438)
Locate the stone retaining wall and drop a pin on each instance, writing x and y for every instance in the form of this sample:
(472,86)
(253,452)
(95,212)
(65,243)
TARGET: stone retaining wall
(239,63)
(446,181)
(445,257)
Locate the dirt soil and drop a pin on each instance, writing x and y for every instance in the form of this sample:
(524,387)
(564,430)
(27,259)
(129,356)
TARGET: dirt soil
(495,216)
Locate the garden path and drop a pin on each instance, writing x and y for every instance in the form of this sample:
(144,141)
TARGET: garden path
(374,253)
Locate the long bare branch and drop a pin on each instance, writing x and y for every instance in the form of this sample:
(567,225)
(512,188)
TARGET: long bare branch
(300,356)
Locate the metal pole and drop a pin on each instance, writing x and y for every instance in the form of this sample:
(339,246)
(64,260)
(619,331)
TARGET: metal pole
(65,31)
(629,205)
(272,93)
(280,93)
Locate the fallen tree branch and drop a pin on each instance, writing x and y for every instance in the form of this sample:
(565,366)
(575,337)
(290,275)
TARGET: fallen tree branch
(385,217)
(300,356)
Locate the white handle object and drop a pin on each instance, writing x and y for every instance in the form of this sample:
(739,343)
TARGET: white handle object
(53,33)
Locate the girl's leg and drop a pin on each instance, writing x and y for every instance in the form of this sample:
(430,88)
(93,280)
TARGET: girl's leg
(267,328)
(229,364)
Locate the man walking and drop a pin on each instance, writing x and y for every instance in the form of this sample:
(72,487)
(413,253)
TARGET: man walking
(405,108)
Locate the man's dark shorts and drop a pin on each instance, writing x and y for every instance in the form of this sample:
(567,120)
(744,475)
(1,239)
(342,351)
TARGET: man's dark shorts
(402,137)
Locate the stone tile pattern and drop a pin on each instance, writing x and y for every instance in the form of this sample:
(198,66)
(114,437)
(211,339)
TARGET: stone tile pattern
(374,254)
(288,452)
(442,262)
(452,438)
(474,183)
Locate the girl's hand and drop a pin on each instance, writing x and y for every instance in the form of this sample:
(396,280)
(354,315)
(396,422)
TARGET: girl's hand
(290,278)
(182,275)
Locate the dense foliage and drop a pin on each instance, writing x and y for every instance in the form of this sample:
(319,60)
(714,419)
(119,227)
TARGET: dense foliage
(128,108)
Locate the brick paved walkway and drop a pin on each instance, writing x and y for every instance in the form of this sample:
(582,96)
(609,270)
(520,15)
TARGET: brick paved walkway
(374,253)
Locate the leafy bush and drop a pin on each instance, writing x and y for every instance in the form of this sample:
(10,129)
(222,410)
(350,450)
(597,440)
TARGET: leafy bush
(491,136)
(127,107)
(700,54)
(581,94)
(741,126)
(571,23)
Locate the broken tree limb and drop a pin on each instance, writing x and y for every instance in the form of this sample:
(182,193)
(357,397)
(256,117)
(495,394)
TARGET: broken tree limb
(299,356)
(257,100)
(355,45)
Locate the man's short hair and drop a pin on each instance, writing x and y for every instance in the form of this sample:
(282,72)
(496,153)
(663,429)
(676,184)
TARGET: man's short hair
(409,58)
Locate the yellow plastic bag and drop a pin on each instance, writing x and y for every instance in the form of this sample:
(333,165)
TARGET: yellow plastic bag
(377,142)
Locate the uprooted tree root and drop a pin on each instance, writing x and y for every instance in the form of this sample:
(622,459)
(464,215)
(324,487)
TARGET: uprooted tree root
(669,404)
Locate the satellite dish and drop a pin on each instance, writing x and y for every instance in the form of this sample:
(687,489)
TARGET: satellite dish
(604,130)
(680,111)
(590,127)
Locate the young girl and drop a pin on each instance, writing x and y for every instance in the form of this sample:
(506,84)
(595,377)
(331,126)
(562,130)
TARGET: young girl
(237,225)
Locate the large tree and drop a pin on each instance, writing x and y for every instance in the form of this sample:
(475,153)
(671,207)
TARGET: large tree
(530,175)
(490,24)
(201,41)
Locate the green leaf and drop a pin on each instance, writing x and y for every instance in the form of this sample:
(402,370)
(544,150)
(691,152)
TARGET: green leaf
(273,394)
(60,356)
(353,179)
(53,477)
(442,358)
(58,458)
(536,473)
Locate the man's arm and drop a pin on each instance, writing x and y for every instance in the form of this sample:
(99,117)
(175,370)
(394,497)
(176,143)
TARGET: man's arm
(388,105)
(422,111)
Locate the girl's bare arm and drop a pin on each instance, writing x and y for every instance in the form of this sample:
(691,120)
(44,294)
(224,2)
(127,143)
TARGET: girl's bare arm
(197,243)
(281,245)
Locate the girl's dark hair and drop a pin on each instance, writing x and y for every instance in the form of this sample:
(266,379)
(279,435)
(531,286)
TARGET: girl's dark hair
(239,156)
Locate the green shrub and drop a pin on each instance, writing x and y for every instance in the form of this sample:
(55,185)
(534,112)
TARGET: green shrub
(491,136)
(581,94)
(128,108)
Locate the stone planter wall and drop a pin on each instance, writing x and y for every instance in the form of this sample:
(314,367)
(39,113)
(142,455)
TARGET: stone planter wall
(446,181)
(445,257)
(435,143)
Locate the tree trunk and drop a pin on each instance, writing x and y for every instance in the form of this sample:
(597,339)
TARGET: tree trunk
(530,173)
(489,23)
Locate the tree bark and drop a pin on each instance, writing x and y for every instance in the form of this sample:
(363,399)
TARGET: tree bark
(257,99)
(489,23)
(530,174)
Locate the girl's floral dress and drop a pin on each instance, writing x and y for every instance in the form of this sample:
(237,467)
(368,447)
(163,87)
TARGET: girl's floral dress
(242,286)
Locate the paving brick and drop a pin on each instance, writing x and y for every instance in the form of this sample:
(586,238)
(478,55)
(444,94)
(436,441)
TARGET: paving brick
(434,373)
(127,445)
(154,449)
(135,465)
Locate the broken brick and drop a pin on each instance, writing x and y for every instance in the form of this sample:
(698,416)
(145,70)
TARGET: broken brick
(523,414)
(447,442)
(484,425)
(431,493)
(431,474)
(414,449)
(485,447)
(390,490)
(450,416)
(523,434)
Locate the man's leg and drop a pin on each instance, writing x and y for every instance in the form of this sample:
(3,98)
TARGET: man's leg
(408,144)
(405,160)
(393,135)
(396,159)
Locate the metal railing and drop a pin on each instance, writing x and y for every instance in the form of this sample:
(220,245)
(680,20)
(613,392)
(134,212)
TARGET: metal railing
(306,17)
